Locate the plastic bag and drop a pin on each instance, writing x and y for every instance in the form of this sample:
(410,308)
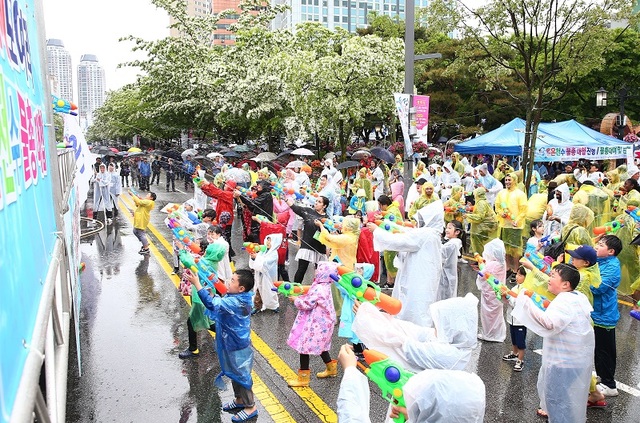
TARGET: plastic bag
(198,319)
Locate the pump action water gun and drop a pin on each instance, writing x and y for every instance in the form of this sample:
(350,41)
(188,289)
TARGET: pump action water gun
(389,376)
(539,262)
(459,208)
(64,106)
(206,273)
(361,289)
(247,192)
(491,280)
(546,241)
(392,224)
(506,213)
(608,228)
(183,236)
(331,225)
(253,247)
(290,289)
(634,212)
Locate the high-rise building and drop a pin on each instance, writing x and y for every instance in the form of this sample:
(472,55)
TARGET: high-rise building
(91,88)
(221,35)
(333,14)
(59,69)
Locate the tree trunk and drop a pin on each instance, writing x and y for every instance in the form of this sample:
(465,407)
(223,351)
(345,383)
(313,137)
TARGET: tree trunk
(341,140)
(530,136)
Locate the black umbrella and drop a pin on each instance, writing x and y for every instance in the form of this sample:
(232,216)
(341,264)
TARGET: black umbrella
(174,154)
(283,154)
(101,149)
(231,154)
(382,154)
(347,164)
(110,154)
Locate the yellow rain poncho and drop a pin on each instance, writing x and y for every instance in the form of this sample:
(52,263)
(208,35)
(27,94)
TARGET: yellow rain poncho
(454,202)
(362,182)
(536,206)
(420,170)
(484,223)
(596,200)
(423,200)
(629,262)
(457,164)
(580,218)
(511,210)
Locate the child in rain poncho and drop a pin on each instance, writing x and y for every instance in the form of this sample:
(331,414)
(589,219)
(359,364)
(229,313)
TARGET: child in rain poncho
(419,262)
(494,328)
(448,287)
(431,396)
(629,262)
(574,231)
(484,223)
(446,345)
(312,330)
(568,346)
(265,264)
(357,202)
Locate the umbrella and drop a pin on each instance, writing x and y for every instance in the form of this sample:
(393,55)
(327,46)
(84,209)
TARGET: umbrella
(115,150)
(295,163)
(110,154)
(214,155)
(189,152)
(283,154)
(231,154)
(122,153)
(101,149)
(360,154)
(330,155)
(135,154)
(382,154)
(241,149)
(265,157)
(347,164)
(172,154)
(238,175)
(134,150)
(302,152)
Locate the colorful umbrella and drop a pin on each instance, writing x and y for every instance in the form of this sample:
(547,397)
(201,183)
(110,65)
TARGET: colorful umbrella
(134,150)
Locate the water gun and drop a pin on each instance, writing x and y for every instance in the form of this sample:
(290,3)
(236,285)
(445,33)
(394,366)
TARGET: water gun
(539,300)
(290,289)
(183,236)
(539,262)
(506,213)
(491,280)
(253,247)
(633,211)
(278,189)
(393,224)
(635,313)
(389,376)
(194,217)
(331,225)
(262,219)
(291,191)
(247,192)
(206,273)
(460,208)
(361,289)
(608,228)
(198,181)
(546,241)
(64,106)
(134,192)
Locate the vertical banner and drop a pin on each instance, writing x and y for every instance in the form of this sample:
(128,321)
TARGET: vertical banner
(27,222)
(402,107)
(421,107)
(84,167)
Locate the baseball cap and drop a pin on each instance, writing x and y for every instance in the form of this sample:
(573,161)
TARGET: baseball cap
(586,253)
(421,181)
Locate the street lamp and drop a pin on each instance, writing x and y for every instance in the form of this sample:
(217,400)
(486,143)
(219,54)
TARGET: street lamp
(621,119)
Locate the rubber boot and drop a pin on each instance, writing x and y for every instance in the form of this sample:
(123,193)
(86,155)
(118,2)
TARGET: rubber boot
(302,380)
(331,371)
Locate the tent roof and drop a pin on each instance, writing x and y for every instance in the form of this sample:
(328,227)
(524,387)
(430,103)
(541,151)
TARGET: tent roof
(509,138)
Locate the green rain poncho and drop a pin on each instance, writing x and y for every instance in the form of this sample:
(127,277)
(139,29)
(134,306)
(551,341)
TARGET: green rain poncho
(454,202)
(629,262)
(484,224)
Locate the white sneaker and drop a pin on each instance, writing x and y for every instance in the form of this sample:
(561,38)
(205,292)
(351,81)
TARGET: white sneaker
(109,221)
(606,391)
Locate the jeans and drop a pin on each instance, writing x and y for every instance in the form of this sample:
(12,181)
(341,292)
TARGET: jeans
(142,237)
(171,180)
(125,179)
(155,177)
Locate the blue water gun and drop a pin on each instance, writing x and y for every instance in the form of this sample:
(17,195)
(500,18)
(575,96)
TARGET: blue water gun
(64,106)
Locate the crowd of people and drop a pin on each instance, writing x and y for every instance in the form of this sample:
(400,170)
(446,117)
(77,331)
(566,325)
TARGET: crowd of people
(467,209)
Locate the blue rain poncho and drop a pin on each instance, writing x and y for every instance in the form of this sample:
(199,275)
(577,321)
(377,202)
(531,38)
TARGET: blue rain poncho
(231,314)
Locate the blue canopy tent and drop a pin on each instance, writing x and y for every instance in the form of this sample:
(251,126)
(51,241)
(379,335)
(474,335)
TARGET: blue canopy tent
(561,141)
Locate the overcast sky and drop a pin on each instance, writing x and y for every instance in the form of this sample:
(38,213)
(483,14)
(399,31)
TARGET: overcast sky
(94,27)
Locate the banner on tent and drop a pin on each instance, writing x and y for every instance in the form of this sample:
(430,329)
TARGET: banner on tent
(562,154)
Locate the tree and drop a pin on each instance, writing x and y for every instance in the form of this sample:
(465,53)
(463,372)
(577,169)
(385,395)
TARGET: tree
(544,44)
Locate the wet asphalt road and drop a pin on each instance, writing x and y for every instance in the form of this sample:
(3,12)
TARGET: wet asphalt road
(133,325)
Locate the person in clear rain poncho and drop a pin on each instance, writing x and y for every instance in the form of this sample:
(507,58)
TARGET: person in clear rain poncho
(567,348)
(484,223)
(494,328)
(558,210)
(265,264)
(574,231)
(419,262)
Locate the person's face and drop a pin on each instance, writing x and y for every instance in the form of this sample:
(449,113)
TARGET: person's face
(207,219)
(556,285)
(602,250)
(428,191)
(111,168)
(593,168)
(539,229)
(102,169)
(519,278)
(568,169)
(482,172)
(319,206)
(579,263)
(627,186)
(188,207)
(450,231)
(508,182)
(558,195)
(323,182)
(267,242)
(382,207)
(419,187)
(233,285)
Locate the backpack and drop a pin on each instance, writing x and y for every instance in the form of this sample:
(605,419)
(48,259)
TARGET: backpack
(557,248)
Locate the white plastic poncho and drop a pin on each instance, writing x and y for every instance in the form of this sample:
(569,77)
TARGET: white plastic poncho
(494,327)
(567,353)
(199,197)
(448,346)
(445,396)
(101,192)
(266,266)
(431,396)
(561,209)
(418,261)
(448,287)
